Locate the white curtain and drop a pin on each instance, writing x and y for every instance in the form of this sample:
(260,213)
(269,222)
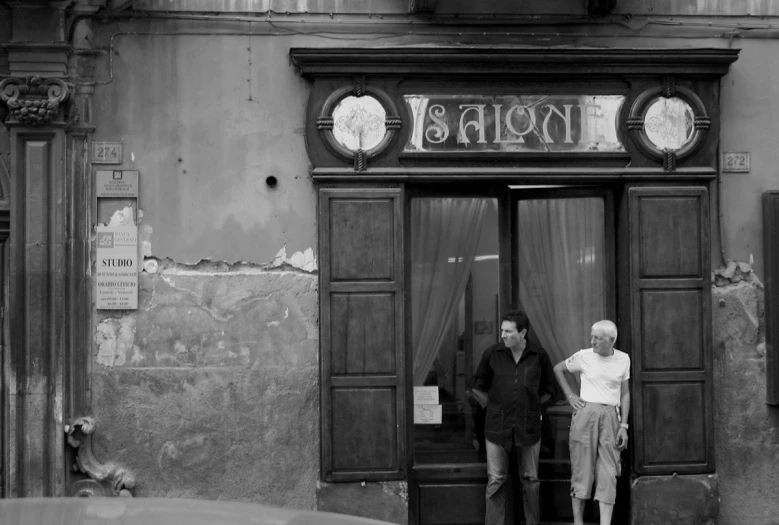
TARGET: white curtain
(445,234)
(561,270)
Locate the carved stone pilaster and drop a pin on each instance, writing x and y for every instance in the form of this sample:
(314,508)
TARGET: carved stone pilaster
(34,101)
(103,479)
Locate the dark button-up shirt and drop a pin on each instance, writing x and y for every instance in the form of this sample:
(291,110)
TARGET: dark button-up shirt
(514,391)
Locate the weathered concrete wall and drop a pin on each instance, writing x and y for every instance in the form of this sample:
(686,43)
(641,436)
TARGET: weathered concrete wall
(206,120)
(749,123)
(211,389)
(746,429)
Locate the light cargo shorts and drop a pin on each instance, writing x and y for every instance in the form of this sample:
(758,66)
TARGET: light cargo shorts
(594,453)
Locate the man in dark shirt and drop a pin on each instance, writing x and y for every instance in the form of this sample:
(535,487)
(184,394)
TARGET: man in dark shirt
(514,377)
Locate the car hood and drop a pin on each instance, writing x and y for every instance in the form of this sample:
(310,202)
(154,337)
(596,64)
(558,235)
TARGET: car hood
(158,511)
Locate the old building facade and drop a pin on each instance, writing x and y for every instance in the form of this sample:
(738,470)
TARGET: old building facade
(253,250)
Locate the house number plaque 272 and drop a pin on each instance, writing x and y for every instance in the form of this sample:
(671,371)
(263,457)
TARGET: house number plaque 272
(735,162)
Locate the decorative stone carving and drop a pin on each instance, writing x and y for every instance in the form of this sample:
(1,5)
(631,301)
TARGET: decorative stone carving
(33,101)
(104,479)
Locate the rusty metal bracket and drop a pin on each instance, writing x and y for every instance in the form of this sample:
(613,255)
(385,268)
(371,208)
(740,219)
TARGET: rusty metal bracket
(104,479)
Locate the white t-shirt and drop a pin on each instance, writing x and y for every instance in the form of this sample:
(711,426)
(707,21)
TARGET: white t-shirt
(601,376)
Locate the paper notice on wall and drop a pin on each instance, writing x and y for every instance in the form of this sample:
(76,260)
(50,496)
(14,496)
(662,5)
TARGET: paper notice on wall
(116,268)
(425,395)
(427,414)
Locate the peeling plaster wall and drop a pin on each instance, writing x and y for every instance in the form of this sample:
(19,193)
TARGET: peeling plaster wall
(206,120)
(746,429)
(750,112)
(211,389)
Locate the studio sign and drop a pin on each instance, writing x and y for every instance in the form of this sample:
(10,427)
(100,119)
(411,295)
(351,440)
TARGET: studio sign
(508,123)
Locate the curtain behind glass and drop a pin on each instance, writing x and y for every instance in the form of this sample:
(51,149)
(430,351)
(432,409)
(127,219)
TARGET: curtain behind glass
(444,236)
(561,270)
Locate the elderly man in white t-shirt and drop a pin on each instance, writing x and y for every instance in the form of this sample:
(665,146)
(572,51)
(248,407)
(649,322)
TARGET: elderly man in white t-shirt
(599,422)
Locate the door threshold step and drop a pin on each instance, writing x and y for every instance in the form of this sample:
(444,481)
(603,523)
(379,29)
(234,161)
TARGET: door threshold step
(567,522)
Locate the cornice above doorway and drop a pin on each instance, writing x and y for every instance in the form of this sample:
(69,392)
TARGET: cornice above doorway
(530,110)
(505,62)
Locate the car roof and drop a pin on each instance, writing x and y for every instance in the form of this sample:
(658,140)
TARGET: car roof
(161,511)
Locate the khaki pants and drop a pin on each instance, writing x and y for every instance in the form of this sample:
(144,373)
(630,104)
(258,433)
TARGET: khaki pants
(594,454)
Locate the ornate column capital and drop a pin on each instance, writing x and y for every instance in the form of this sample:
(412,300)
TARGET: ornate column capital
(34,101)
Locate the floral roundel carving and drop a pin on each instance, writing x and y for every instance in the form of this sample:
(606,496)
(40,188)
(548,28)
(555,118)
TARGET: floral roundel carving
(358,123)
(668,123)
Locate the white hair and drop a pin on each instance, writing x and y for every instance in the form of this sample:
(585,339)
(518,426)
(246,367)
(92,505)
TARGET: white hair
(608,329)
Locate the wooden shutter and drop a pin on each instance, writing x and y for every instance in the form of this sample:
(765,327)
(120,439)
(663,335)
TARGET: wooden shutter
(362,361)
(771,271)
(671,330)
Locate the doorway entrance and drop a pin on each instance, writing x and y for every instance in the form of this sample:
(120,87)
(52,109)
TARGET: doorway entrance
(549,251)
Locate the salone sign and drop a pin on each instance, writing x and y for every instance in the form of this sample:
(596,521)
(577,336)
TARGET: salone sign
(514,123)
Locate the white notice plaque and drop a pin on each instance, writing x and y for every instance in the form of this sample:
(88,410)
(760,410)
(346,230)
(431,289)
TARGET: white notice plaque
(425,395)
(427,414)
(116,274)
(117,183)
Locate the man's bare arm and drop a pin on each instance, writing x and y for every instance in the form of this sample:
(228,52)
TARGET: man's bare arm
(479,396)
(624,403)
(559,373)
(624,412)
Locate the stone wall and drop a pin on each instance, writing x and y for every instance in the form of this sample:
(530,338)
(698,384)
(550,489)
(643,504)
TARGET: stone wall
(746,428)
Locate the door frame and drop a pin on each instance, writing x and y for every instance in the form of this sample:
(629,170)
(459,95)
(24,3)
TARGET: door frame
(507,193)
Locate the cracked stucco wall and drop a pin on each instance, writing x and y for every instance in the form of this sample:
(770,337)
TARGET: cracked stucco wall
(210,389)
(746,428)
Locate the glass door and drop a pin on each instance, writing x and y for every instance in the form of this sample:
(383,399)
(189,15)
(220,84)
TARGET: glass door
(563,278)
(454,293)
(454,305)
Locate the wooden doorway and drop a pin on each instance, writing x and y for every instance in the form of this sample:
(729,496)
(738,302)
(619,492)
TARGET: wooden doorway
(448,472)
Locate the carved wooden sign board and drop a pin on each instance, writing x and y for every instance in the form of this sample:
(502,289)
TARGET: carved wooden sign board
(521,123)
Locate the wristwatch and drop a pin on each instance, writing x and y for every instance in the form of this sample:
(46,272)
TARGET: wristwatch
(623,425)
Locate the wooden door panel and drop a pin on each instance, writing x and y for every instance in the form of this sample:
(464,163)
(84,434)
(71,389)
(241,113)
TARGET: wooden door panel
(364,437)
(675,412)
(452,503)
(363,335)
(362,332)
(671,329)
(362,239)
(670,237)
(670,290)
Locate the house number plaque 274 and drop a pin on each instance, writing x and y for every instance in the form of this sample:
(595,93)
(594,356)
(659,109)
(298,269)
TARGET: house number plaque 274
(106,152)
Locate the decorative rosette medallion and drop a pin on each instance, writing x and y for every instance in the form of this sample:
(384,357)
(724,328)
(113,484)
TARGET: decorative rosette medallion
(668,123)
(358,122)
